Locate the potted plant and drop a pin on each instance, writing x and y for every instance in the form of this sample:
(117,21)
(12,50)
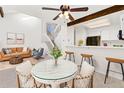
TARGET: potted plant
(80,42)
(56,53)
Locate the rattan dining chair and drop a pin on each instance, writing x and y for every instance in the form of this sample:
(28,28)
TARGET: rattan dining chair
(24,77)
(84,79)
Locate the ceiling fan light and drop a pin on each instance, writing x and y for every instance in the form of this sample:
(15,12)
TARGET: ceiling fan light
(66,13)
(66,17)
(61,15)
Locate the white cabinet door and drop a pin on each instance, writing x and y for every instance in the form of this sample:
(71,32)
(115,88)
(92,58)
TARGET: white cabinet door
(110,33)
(104,35)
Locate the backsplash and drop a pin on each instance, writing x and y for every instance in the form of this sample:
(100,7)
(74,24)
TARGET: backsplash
(113,43)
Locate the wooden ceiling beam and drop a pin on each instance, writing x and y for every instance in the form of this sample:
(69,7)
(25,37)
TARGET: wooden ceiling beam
(1,12)
(101,13)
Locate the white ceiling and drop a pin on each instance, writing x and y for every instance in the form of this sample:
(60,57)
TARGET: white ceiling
(36,10)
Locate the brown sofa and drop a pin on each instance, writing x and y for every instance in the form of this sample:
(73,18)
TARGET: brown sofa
(14,52)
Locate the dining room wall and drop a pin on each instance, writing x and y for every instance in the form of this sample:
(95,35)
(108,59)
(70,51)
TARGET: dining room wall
(20,23)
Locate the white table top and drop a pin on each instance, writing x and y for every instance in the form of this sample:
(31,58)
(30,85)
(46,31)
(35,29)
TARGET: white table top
(47,70)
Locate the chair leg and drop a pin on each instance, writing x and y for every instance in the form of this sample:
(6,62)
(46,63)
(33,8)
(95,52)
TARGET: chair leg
(92,61)
(73,85)
(81,64)
(18,81)
(107,72)
(65,56)
(69,57)
(89,60)
(35,84)
(85,58)
(74,58)
(122,70)
(92,82)
(44,85)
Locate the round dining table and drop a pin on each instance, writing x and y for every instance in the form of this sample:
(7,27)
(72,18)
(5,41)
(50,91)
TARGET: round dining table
(48,72)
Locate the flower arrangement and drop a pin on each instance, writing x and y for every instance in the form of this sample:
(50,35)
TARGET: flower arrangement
(56,53)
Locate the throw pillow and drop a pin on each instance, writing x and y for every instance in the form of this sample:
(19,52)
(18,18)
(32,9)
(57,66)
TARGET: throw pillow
(25,49)
(41,50)
(10,51)
(7,51)
(4,51)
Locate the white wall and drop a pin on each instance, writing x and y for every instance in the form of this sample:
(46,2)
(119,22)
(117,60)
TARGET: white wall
(81,34)
(106,33)
(70,35)
(21,23)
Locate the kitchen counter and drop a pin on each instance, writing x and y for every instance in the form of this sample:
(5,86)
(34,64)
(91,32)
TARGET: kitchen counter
(99,54)
(106,47)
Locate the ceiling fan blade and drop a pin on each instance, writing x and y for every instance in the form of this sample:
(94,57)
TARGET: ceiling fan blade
(47,8)
(1,12)
(56,16)
(71,17)
(79,9)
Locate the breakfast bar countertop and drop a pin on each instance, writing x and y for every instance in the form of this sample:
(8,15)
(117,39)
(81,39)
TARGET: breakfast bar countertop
(106,47)
(99,57)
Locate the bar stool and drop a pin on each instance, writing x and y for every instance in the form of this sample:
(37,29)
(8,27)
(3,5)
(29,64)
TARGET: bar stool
(87,56)
(70,55)
(114,60)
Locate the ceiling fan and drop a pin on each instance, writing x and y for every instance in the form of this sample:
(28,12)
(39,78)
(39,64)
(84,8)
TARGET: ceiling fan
(65,11)
(1,12)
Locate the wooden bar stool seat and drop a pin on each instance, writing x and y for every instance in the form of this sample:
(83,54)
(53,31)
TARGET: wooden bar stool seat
(114,60)
(87,56)
(70,54)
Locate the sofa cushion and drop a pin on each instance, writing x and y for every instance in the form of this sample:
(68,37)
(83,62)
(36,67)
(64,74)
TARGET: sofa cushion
(19,49)
(0,55)
(23,53)
(25,49)
(7,55)
(13,50)
(9,50)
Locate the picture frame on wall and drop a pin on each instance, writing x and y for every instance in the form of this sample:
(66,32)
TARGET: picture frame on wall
(15,38)
(19,38)
(11,38)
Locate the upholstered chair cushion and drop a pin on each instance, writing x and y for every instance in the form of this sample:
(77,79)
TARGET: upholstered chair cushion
(84,78)
(23,71)
(86,69)
(24,68)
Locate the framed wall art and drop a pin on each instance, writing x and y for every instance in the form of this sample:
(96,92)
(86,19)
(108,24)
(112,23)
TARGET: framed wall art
(15,38)
(11,38)
(19,38)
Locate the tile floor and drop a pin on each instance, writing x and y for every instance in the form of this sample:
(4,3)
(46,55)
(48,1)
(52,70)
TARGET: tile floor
(98,78)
